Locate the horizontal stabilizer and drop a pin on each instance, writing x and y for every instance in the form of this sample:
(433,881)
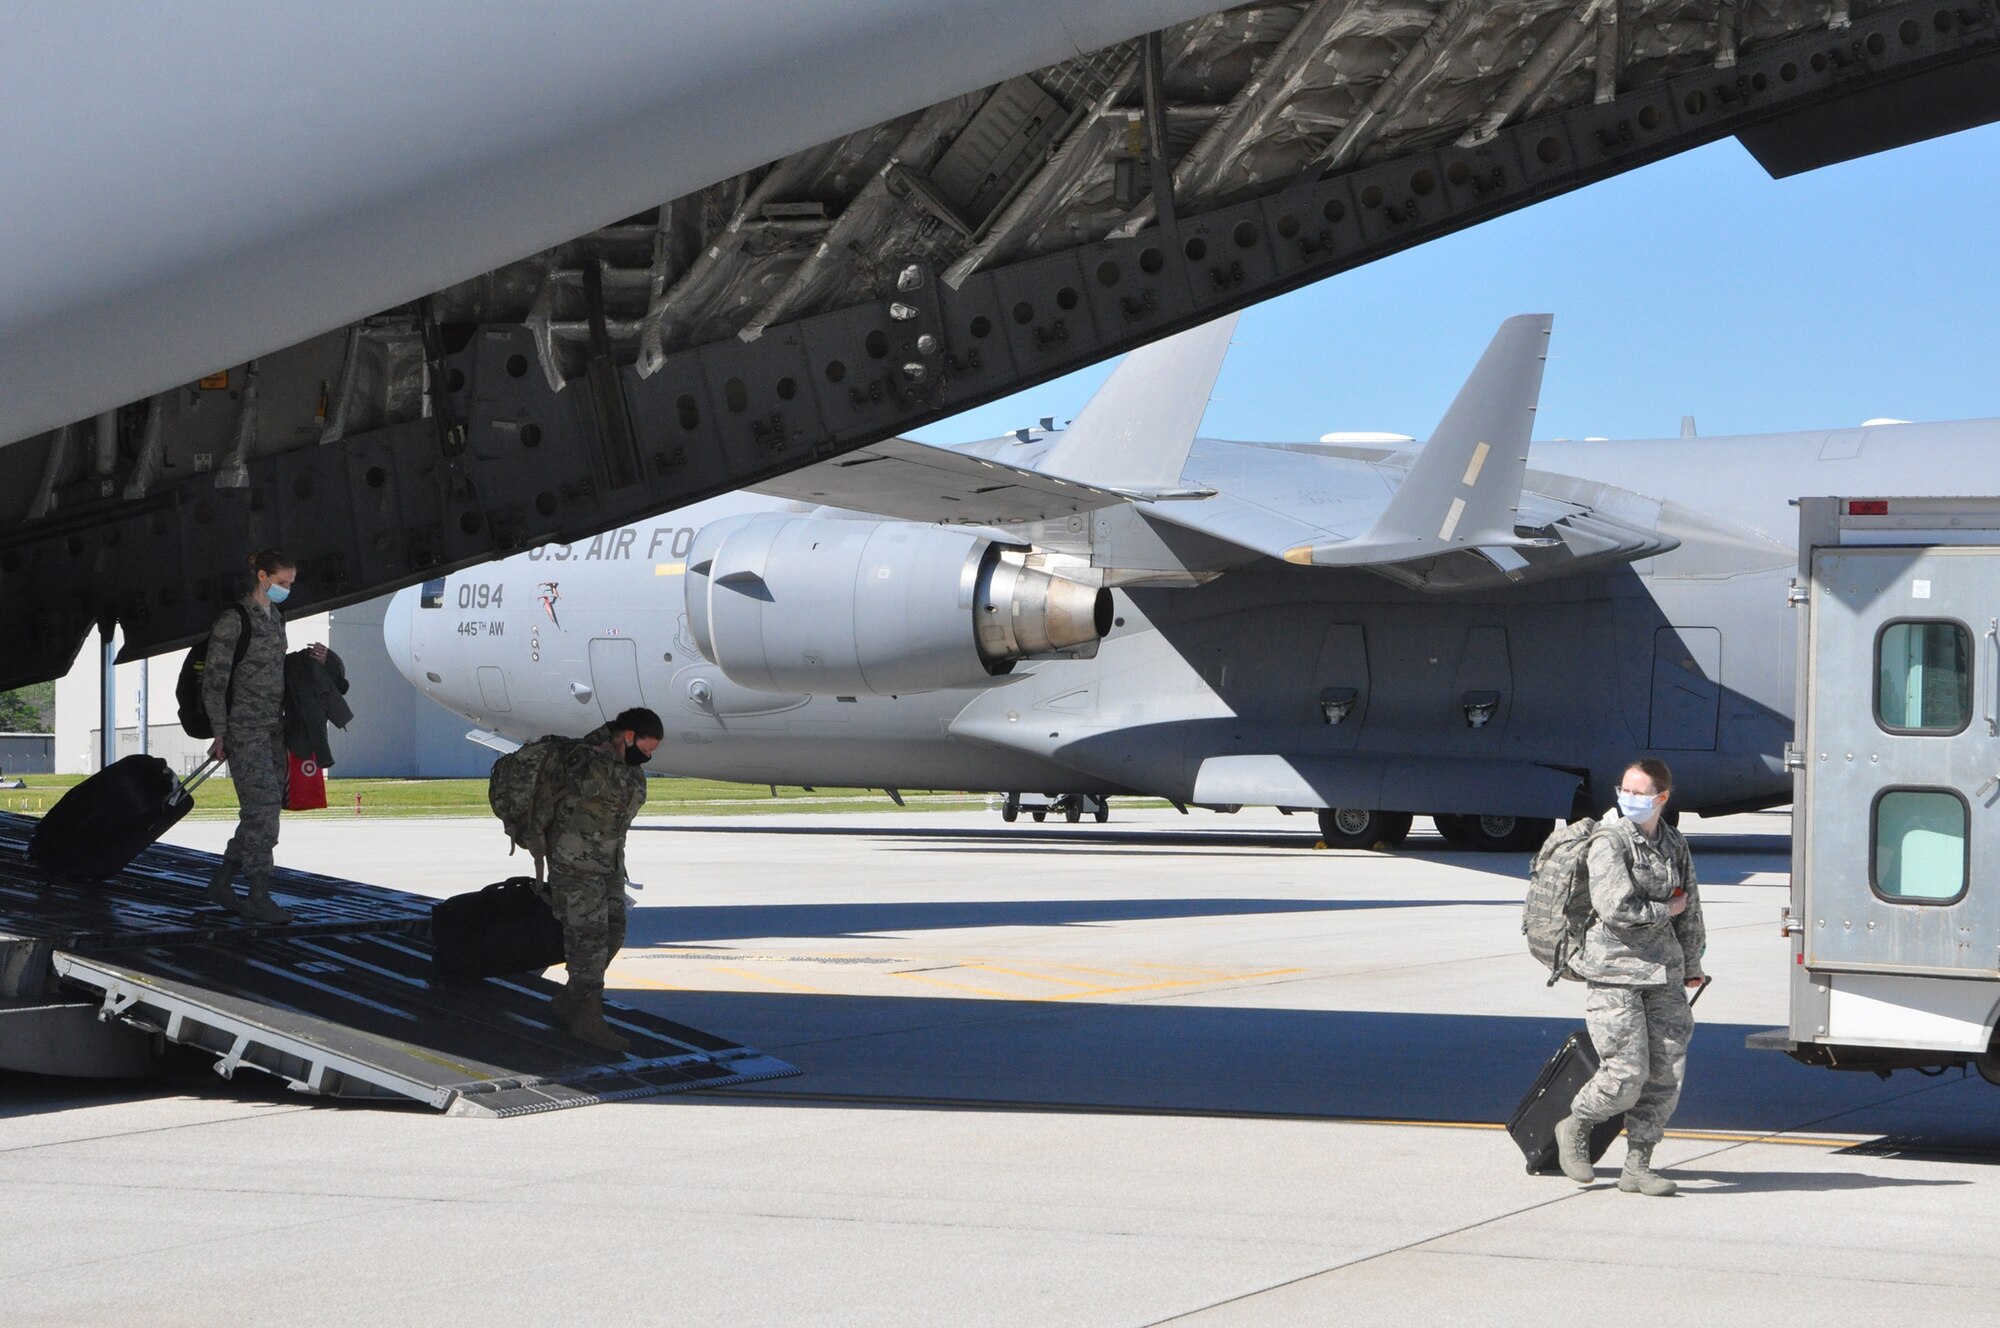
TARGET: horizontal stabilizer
(1463,489)
(1135,433)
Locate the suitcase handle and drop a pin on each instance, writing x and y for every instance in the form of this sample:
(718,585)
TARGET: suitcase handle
(1699,990)
(184,791)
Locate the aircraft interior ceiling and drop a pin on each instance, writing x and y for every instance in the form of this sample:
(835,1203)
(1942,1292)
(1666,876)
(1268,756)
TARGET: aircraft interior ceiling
(915,268)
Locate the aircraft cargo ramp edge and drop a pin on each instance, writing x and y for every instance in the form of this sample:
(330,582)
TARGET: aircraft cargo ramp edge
(342,1002)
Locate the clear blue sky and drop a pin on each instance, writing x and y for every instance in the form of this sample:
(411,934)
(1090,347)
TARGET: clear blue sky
(1698,286)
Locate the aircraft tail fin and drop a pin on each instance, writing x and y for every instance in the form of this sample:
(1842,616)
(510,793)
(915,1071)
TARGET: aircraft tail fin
(1464,487)
(1135,433)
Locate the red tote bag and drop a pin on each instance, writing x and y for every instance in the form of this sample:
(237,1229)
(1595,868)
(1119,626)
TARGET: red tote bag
(305,784)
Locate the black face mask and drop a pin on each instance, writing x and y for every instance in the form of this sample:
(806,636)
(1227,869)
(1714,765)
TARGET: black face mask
(633,756)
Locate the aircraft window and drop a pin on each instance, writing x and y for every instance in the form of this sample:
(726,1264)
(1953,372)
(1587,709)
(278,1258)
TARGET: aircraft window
(1919,846)
(1923,673)
(433,594)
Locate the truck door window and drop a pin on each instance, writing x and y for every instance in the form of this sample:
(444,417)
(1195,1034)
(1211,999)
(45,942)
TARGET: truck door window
(1923,673)
(1919,846)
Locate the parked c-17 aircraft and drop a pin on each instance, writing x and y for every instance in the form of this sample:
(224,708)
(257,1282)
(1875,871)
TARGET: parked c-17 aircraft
(1468,628)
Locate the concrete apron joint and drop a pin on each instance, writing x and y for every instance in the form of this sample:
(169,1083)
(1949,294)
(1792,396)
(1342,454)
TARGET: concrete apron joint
(1774,1138)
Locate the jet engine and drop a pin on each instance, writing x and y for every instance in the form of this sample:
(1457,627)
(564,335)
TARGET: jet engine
(822,605)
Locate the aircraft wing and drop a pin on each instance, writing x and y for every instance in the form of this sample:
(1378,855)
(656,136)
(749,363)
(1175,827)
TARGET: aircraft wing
(1454,515)
(1129,443)
(1300,508)
(914,481)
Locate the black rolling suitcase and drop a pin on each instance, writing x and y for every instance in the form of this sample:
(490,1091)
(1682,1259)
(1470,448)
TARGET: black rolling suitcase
(502,929)
(1533,1124)
(98,827)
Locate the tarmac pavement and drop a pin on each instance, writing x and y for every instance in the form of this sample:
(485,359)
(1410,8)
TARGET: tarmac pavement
(1169,1069)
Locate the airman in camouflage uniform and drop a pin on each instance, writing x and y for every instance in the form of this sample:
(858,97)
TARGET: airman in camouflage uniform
(587,796)
(1640,953)
(245,703)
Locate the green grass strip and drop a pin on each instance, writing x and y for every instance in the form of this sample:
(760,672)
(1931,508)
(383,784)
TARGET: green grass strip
(216,800)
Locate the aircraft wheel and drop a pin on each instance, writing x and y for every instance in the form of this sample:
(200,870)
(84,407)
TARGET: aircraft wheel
(1010,808)
(1495,834)
(1451,829)
(1039,816)
(1988,1065)
(1357,827)
(1072,813)
(1103,810)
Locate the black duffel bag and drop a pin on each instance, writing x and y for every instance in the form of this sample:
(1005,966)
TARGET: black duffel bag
(500,930)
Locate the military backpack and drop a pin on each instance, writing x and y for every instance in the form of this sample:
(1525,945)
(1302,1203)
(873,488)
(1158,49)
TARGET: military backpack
(510,791)
(187,687)
(1558,906)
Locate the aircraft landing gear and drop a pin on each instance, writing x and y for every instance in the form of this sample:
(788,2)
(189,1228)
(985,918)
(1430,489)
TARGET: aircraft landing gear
(1074,805)
(1495,834)
(1070,806)
(1356,827)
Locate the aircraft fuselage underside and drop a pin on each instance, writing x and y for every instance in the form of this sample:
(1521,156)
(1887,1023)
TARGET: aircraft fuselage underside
(493,459)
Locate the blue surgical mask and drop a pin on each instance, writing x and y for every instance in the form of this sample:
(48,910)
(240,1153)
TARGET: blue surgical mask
(277,594)
(1637,808)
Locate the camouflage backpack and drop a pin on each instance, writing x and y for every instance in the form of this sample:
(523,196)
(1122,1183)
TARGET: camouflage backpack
(510,791)
(1558,906)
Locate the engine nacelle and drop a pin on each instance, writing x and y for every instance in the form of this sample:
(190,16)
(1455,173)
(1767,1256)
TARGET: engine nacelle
(825,606)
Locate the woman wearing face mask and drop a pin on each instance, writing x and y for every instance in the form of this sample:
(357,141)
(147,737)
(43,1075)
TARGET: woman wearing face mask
(1640,954)
(245,700)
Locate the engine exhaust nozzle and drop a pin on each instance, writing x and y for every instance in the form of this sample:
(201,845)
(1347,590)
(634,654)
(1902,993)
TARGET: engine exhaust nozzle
(1023,612)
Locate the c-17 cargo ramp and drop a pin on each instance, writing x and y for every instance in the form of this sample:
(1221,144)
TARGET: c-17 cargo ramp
(343,1001)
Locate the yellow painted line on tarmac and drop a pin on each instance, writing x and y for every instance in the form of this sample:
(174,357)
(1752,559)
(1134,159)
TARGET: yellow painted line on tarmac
(966,986)
(1187,968)
(620,978)
(1181,982)
(1790,1140)
(1022,973)
(770,981)
(1100,972)
(1087,991)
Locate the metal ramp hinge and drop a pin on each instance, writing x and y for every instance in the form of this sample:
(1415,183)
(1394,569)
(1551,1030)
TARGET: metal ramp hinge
(1796,594)
(1795,759)
(229,1063)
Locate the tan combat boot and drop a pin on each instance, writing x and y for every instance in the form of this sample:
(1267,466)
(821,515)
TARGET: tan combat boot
(563,1005)
(1573,1150)
(221,891)
(259,907)
(1639,1176)
(587,1024)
